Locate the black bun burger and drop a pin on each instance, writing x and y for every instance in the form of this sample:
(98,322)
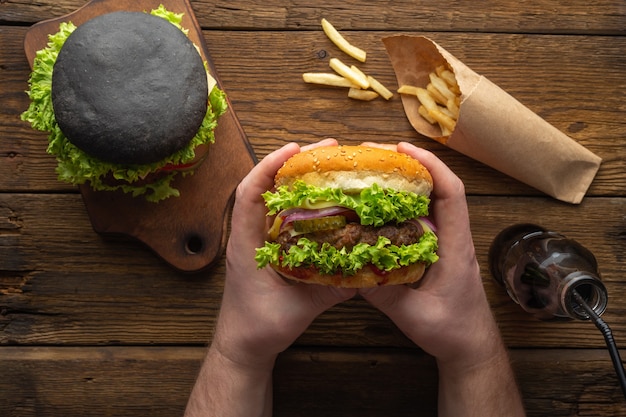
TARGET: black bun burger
(128,102)
(350,216)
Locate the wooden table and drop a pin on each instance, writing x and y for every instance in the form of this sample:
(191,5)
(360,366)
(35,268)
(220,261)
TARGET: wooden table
(93,325)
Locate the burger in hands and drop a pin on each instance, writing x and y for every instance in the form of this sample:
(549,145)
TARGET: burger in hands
(127,100)
(350,216)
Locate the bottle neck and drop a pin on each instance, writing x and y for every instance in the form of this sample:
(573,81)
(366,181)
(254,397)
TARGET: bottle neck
(590,288)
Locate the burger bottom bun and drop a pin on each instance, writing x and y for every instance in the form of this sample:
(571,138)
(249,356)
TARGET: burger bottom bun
(364,278)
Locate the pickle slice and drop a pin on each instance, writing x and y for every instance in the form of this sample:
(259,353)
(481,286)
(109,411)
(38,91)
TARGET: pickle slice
(319,224)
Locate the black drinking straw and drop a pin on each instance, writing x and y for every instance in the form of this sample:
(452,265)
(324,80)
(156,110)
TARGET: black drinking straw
(608,337)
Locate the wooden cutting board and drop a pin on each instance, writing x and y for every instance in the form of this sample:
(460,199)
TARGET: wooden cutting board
(188,232)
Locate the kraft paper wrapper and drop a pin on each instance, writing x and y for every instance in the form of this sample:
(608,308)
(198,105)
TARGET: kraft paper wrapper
(493,127)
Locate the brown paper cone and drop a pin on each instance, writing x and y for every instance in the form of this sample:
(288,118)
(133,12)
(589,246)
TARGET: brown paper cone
(493,127)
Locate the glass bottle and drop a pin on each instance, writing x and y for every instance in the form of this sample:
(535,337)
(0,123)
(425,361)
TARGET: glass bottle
(541,270)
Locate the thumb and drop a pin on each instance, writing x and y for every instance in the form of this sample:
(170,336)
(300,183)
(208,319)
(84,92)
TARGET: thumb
(324,297)
(386,299)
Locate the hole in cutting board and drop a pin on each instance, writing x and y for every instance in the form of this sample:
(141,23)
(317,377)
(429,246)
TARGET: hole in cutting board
(194,245)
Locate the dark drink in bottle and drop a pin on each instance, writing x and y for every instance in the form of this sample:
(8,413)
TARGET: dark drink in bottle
(541,270)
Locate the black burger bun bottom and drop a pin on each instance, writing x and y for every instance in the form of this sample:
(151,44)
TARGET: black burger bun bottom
(129,88)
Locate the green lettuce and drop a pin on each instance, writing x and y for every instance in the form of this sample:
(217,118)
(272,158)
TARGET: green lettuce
(77,167)
(329,260)
(374,205)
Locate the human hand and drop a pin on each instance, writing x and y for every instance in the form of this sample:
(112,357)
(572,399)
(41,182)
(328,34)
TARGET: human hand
(447,314)
(261,313)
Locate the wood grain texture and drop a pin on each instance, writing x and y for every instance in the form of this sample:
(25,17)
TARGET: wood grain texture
(93,325)
(542,16)
(65,284)
(580,91)
(196,237)
(130,381)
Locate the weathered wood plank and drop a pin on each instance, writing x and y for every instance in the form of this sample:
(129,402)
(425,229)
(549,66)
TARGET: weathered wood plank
(130,381)
(64,284)
(525,66)
(579,91)
(542,16)
(93,325)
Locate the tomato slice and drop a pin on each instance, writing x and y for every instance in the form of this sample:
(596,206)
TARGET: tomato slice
(319,224)
(201,152)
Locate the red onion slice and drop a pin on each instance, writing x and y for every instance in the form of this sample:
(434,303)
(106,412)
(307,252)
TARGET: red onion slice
(429,223)
(292,215)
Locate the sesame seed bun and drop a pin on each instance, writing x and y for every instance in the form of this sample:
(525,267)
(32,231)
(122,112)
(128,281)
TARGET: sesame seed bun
(364,278)
(353,168)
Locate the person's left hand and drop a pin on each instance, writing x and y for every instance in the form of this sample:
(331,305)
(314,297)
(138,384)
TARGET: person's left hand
(261,313)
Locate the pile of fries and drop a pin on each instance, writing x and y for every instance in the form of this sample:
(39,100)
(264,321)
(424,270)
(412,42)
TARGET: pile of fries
(360,85)
(440,100)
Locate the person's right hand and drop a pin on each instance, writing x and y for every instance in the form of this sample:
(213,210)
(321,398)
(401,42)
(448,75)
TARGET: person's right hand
(262,313)
(446,313)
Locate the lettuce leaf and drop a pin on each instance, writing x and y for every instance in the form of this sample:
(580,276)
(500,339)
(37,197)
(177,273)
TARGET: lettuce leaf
(329,260)
(374,205)
(174,18)
(77,167)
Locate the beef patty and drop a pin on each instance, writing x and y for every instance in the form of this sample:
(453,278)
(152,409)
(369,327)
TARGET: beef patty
(405,233)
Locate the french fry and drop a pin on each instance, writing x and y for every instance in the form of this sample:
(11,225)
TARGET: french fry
(407,89)
(342,43)
(440,100)
(424,113)
(326,78)
(426,99)
(365,95)
(439,70)
(342,69)
(450,79)
(379,88)
(374,83)
(447,112)
(358,71)
(453,107)
(361,85)
(443,119)
(441,85)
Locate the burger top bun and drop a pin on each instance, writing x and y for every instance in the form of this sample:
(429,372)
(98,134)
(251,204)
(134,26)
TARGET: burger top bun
(353,168)
(129,88)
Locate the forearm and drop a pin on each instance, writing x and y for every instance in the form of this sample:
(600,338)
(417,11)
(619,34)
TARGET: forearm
(228,389)
(486,389)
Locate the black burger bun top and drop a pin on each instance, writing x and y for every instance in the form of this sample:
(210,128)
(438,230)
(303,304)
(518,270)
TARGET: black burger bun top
(129,88)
